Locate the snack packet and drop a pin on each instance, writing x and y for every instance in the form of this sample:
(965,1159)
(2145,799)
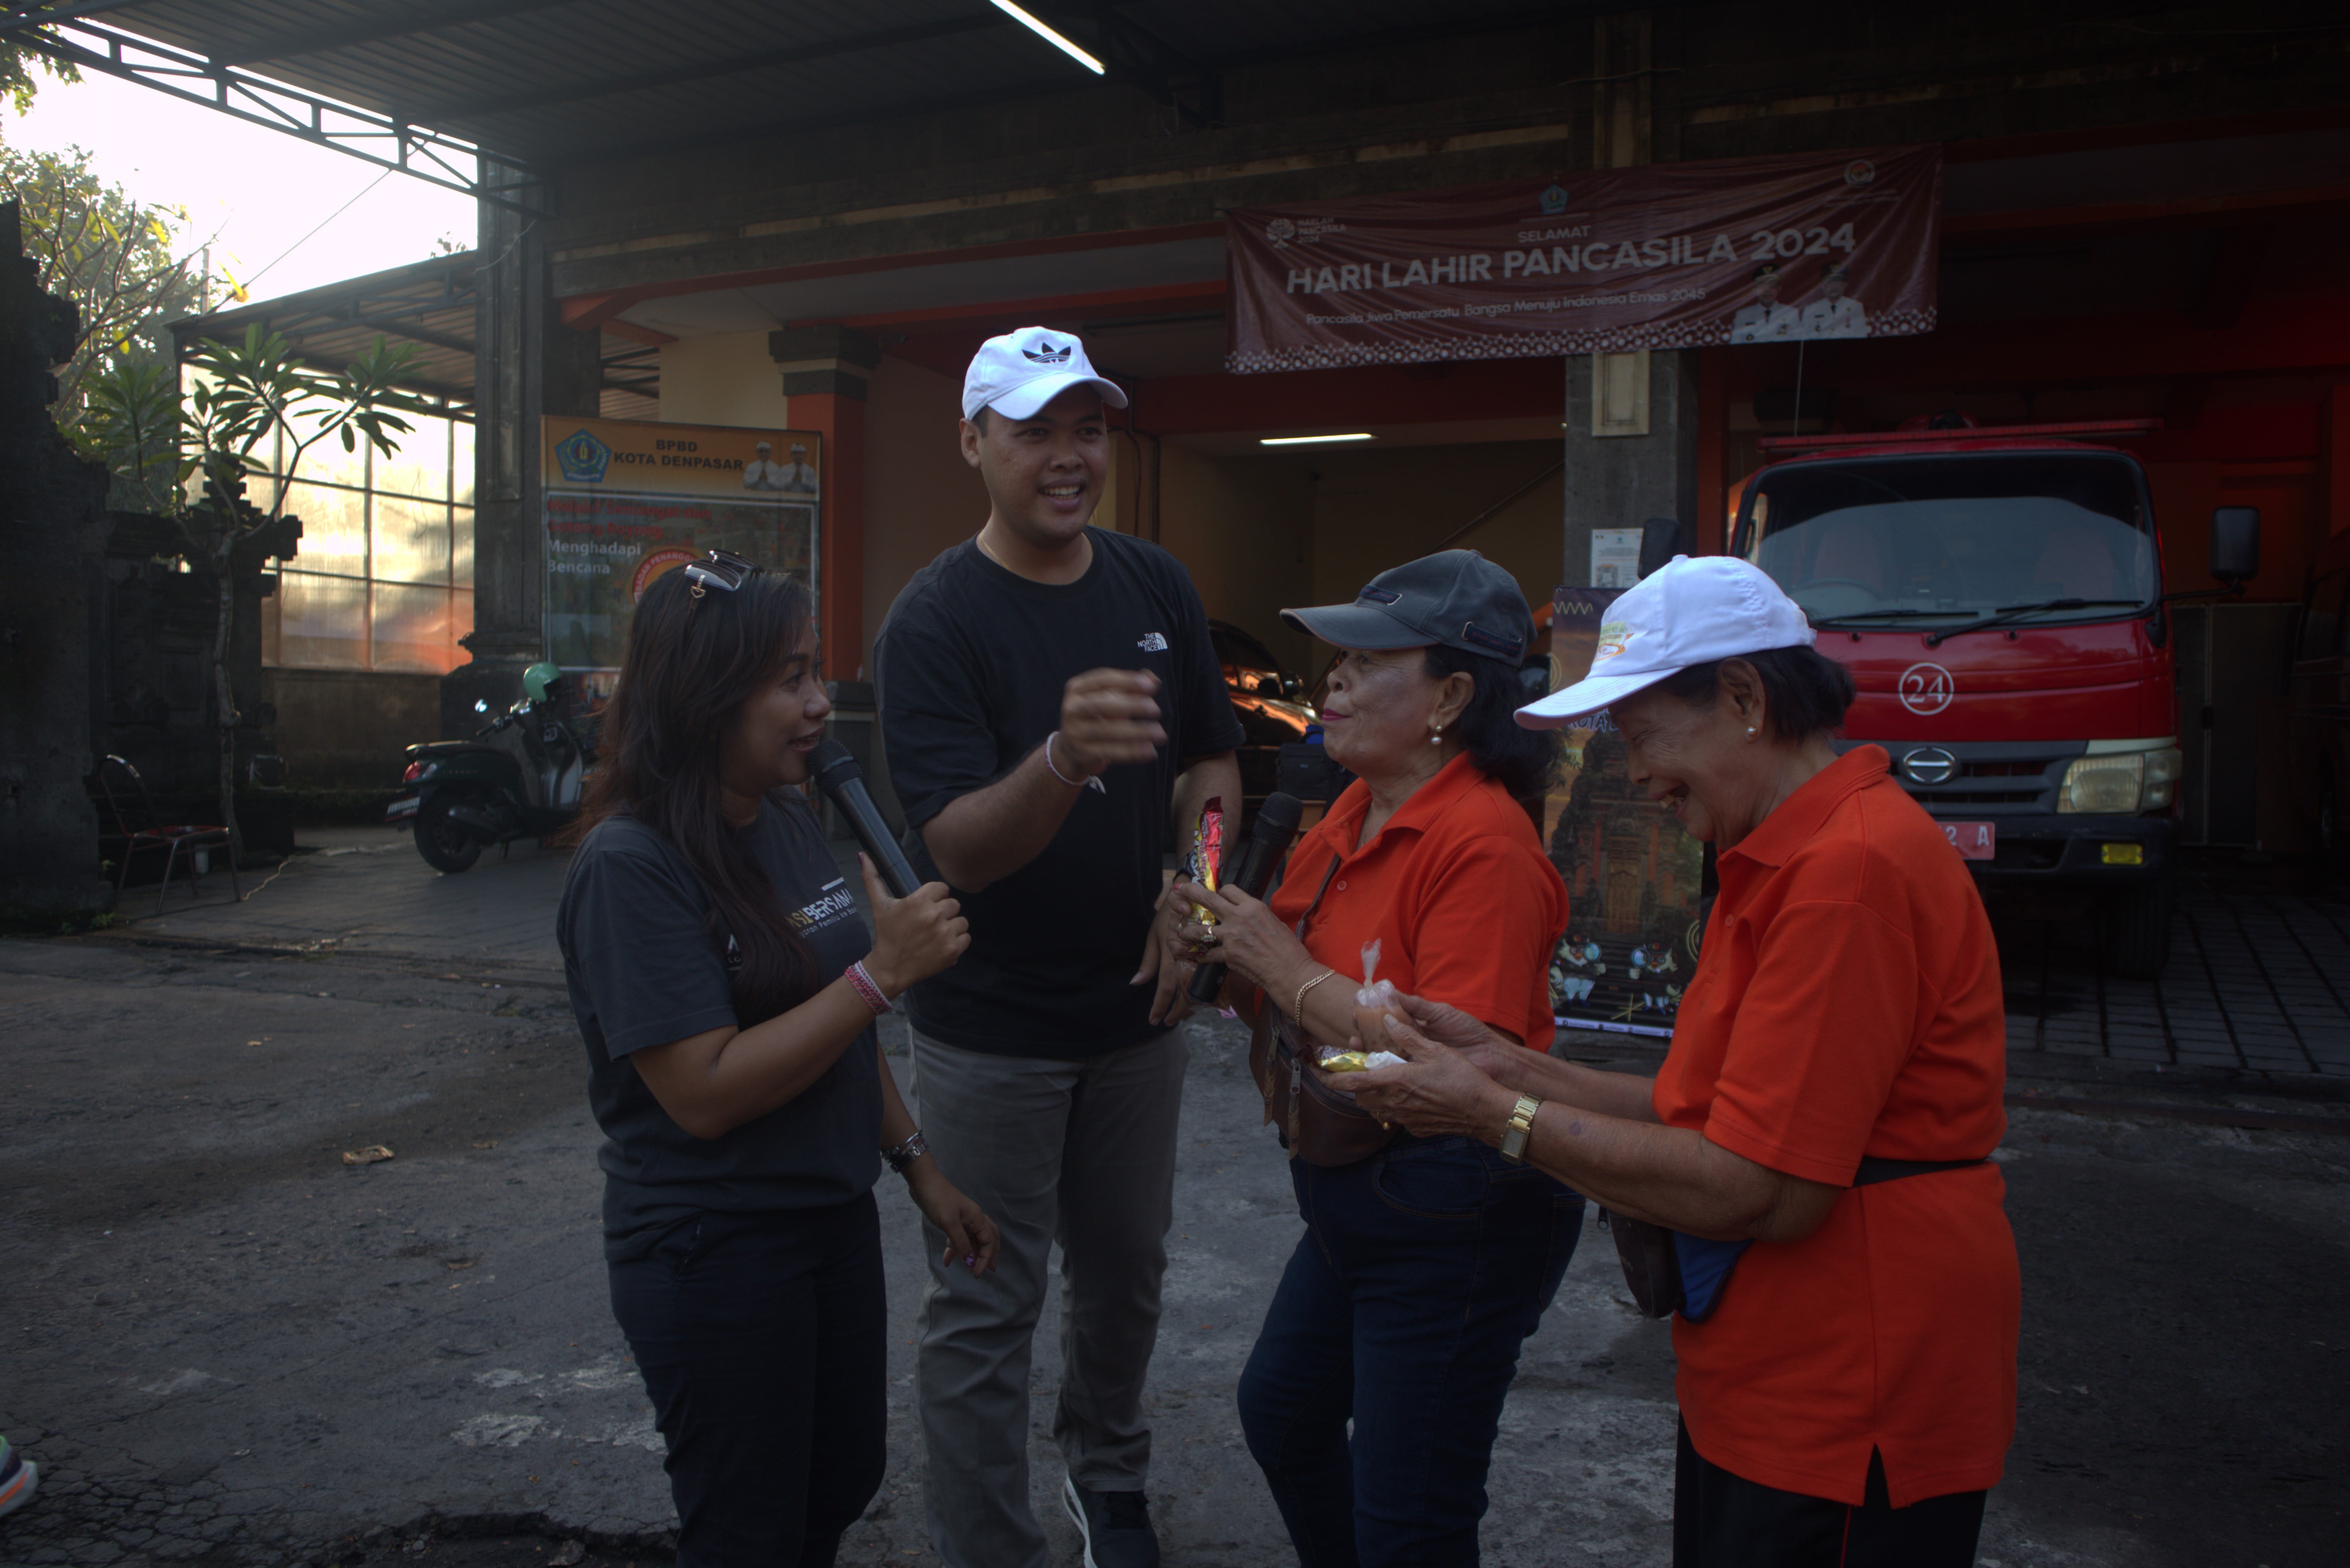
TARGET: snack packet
(1206,862)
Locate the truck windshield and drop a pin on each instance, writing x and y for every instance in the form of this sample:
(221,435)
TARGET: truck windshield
(1960,535)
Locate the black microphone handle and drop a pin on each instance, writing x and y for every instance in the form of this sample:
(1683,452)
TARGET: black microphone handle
(853,801)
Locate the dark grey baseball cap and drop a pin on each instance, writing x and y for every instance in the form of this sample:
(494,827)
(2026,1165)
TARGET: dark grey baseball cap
(1455,597)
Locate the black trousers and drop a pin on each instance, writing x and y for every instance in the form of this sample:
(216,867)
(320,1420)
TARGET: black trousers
(762,1342)
(1722,1520)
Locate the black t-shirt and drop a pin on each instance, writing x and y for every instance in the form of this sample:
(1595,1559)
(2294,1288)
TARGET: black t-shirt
(645,966)
(972,659)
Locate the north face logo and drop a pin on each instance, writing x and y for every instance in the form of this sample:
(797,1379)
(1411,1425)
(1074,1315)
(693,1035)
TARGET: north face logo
(1153,643)
(1045,354)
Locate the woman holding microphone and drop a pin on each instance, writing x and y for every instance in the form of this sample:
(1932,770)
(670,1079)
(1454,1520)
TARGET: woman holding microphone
(727,989)
(1426,1261)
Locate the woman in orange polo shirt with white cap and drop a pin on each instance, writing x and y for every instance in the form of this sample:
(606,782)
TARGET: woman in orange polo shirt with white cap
(1822,1122)
(1426,1261)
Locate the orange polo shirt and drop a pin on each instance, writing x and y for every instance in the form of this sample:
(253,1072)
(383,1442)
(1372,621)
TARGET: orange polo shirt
(1846,1001)
(1456,890)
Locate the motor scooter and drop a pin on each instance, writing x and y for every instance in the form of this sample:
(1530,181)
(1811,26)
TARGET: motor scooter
(519,777)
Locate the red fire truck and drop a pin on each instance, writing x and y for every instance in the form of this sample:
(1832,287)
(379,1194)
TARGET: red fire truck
(1997,593)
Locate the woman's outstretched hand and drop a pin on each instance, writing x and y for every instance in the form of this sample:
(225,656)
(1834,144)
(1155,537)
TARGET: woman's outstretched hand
(971,1235)
(916,936)
(1247,938)
(1487,1049)
(1437,1092)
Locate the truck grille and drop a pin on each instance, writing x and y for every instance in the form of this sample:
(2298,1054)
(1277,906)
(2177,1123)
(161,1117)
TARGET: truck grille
(1984,777)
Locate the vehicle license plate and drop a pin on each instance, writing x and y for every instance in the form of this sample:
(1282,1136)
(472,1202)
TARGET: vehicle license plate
(1972,840)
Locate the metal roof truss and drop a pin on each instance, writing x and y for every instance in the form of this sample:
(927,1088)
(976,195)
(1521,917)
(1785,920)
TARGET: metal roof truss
(372,138)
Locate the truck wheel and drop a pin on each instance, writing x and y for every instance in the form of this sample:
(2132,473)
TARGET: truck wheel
(445,845)
(2137,931)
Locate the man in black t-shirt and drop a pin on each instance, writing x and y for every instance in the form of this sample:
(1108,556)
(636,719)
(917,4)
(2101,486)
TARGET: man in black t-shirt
(1049,702)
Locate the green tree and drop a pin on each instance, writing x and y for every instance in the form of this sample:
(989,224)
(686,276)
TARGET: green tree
(121,263)
(221,459)
(18,63)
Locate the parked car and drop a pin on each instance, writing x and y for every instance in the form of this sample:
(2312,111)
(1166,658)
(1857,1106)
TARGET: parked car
(1269,700)
(2319,776)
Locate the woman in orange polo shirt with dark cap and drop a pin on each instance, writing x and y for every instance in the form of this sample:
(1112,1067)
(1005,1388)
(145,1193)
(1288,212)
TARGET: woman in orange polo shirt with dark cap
(1822,1122)
(1426,1261)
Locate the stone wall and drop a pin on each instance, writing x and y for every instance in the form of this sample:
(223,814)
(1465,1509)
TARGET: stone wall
(53,525)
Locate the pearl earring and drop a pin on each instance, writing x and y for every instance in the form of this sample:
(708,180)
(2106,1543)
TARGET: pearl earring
(1436,737)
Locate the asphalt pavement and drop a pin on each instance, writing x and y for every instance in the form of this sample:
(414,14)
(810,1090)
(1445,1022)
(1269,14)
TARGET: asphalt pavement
(226,1346)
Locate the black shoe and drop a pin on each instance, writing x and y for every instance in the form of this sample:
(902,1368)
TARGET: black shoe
(1115,1526)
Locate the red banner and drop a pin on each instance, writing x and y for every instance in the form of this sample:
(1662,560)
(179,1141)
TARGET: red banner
(1664,255)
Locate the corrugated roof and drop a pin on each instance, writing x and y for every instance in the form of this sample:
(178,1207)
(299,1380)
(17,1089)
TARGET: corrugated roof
(429,304)
(551,82)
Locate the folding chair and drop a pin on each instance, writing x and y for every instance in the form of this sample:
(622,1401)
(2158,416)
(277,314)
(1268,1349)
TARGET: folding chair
(171,838)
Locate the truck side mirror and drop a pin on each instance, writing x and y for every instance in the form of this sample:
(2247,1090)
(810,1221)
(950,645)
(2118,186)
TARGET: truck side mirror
(2235,544)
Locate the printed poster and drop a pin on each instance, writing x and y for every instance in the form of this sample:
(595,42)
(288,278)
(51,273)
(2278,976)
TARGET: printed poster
(1659,255)
(627,501)
(1633,875)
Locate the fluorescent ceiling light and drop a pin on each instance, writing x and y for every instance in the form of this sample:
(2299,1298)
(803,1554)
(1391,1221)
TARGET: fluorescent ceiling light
(1050,37)
(1312,441)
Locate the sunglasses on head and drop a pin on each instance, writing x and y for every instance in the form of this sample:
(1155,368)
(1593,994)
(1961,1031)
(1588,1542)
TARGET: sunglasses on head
(719,570)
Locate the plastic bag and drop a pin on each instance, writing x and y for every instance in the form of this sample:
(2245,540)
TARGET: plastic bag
(1379,995)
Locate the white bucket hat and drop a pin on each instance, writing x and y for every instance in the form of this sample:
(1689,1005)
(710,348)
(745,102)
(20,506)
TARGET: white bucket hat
(1691,610)
(1023,370)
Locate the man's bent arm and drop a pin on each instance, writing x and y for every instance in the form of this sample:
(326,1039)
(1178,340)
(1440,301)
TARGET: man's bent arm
(989,834)
(1108,718)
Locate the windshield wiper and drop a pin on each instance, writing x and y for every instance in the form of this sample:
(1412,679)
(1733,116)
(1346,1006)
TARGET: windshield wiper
(2007,613)
(1837,622)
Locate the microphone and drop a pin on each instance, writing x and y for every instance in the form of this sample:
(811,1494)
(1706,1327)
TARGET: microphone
(843,782)
(1276,825)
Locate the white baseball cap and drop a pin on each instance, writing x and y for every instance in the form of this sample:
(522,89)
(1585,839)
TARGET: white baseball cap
(1691,610)
(1023,370)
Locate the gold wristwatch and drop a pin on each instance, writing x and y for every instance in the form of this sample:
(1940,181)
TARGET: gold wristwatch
(1521,1128)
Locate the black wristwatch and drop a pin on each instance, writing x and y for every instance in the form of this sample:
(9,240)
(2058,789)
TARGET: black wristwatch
(906,1153)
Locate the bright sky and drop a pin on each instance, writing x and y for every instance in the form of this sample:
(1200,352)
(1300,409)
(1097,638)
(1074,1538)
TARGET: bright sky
(260,190)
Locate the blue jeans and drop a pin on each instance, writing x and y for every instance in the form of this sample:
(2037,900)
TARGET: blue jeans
(762,1342)
(1421,1271)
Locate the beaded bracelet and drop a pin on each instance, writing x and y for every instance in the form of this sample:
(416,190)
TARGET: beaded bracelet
(862,979)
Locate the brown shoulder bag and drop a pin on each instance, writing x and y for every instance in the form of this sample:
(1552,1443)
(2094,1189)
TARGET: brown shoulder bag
(1319,1124)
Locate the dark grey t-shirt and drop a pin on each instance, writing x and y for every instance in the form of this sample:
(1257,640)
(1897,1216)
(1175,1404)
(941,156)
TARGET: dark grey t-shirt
(645,966)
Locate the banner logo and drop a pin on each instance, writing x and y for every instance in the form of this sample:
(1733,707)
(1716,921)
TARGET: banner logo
(1281,230)
(656,562)
(1553,202)
(583,458)
(1858,172)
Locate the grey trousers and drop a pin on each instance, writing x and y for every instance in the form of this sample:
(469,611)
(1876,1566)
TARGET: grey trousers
(1082,1153)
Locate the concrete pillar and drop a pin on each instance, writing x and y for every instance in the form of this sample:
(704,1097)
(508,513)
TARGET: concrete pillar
(527,364)
(826,371)
(1631,419)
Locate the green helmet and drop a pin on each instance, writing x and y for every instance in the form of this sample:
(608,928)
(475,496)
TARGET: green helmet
(537,679)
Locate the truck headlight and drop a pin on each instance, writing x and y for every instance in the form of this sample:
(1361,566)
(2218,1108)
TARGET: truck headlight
(2119,785)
